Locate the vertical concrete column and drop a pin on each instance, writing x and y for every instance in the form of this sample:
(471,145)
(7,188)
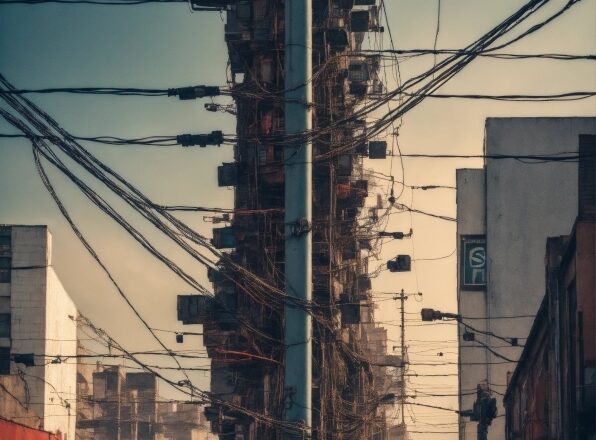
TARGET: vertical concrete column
(298,212)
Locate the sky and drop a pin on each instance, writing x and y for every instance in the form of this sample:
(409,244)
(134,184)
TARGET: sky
(162,46)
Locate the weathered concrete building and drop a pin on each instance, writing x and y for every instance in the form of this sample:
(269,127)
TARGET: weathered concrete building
(116,404)
(35,329)
(182,421)
(505,213)
(123,406)
(552,393)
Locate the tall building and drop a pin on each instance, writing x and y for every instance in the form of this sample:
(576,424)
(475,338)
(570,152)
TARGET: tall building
(123,405)
(243,322)
(505,212)
(552,392)
(116,404)
(37,334)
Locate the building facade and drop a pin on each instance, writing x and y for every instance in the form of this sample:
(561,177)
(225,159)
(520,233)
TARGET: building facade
(121,406)
(552,393)
(116,404)
(505,213)
(37,334)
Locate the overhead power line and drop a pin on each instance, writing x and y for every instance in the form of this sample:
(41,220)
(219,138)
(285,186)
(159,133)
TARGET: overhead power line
(183,93)
(185,140)
(564,156)
(487,54)
(110,3)
(568,96)
(218,138)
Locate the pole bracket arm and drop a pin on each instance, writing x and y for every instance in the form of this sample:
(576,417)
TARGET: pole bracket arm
(300,227)
(289,394)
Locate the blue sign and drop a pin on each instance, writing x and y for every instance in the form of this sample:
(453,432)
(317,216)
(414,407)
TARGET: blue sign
(473,262)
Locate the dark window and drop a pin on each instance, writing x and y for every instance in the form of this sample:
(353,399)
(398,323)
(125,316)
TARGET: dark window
(278,153)
(4,325)
(5,240)
(4,360)
(5,263)
(5,243)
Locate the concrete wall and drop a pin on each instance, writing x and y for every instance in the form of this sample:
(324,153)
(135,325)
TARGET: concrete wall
(524,204)
(40,325)
(30,258)
(61,337)
(470,221)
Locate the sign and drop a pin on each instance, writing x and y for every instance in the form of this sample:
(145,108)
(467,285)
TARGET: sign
(473,262)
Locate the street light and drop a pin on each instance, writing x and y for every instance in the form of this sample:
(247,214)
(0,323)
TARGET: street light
(396,235)
(435,315)
(429,315)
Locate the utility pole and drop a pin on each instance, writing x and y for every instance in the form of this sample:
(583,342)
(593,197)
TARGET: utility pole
(402,300)
(403,296)
(298,216)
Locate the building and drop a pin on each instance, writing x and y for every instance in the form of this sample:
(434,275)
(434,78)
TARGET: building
(505,212)
(123,405)
(182,421)
(552,393)
(243,320)
(37,334)
(116,404)
(12,430)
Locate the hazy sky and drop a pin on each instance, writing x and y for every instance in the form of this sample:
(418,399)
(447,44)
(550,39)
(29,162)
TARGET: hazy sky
(162,46)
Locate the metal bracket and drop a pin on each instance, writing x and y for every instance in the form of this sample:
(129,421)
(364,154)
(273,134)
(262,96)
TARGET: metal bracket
(301,227)
(289,392)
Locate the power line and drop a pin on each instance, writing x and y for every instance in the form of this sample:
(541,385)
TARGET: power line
(564,96)
(183,93)
(185,140)
(487,54)
(109,3)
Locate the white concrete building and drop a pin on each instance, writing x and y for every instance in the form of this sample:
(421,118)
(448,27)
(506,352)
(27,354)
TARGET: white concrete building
(35,320)
(505,212)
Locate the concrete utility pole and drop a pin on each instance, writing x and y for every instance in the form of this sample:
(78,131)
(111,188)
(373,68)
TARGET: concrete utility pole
(298,214)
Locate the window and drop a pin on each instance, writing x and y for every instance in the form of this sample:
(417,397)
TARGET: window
(5,245)
(4,360)
(5,263)
(278,153)
(4,325)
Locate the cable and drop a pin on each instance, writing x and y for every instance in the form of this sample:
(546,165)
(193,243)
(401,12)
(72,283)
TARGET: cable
(183,93)
(564,96)
(546,157)
(437,33)
(488,54)
(107,3)
(436,258)
(185,140)
(401,207)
